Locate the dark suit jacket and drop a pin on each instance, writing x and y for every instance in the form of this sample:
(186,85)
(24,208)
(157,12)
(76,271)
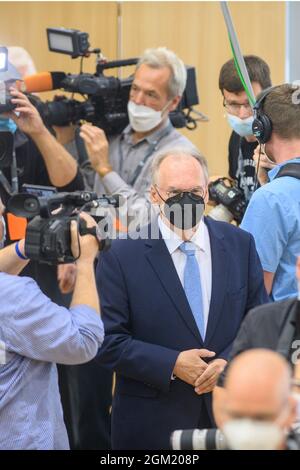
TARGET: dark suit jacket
(271,326)
(148,322)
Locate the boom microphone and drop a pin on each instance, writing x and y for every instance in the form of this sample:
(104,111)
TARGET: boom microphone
(43,81)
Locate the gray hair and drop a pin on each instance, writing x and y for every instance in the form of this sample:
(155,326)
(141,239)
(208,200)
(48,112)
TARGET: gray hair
(178,151)
(163,57)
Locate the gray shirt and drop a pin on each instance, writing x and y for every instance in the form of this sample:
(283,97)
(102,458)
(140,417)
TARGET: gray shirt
(125,157)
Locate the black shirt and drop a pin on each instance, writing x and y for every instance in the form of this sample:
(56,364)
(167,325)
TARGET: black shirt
(241,163)
(31,169)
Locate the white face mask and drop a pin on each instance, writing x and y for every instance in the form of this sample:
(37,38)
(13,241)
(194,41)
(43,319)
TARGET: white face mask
(243,127)
(142,118)
(250,434)
(297,398)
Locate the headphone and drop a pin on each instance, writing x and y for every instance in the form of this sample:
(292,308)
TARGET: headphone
(262,124)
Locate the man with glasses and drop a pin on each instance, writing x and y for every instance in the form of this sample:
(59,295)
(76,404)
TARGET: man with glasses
(243,143)
(172,299)
(123,165)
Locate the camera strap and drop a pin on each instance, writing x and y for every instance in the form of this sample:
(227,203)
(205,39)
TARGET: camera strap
(291,169)
(152,148)
(12,188)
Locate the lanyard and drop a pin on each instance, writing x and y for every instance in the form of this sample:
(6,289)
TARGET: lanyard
(152,148)
(12,188)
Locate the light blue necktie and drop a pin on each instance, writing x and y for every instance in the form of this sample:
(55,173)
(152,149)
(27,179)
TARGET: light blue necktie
(192,284)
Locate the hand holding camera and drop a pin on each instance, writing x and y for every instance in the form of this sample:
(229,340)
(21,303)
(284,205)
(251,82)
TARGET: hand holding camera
(265,164)
(84,247)
(28,120)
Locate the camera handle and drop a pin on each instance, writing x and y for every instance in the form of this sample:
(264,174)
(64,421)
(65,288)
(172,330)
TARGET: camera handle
(104,243)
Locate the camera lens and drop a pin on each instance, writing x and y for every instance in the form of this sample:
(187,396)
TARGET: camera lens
(31,205)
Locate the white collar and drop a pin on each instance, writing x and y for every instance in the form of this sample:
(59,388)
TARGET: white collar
(173,240)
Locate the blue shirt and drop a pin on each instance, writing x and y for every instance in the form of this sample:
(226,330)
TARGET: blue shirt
(273,218)
(35,334)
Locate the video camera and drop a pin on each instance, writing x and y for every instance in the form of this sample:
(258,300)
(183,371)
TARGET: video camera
(231,204)
(48,237)
(106,98)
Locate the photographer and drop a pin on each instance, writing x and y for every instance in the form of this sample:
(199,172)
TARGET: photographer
(35,334)
(41,160)
(273,213)
(242,143)
(258,408)
(123,164)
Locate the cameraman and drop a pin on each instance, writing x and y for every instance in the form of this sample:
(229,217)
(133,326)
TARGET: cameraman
(273,213)
(41,160)
(123,165)
(243,143)
(35,334)
(258,408)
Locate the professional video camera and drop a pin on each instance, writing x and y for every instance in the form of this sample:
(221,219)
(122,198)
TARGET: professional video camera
(198,439)
(106,98)
(48,237)
(230,200)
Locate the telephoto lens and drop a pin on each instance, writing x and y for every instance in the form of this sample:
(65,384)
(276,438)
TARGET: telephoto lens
(198,439)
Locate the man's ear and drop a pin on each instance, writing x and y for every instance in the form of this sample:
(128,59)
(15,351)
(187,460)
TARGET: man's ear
(174,103)
(206,198)
(154,197)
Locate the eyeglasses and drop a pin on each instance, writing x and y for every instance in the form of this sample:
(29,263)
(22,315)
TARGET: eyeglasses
(178,193)
(235,107)
(296,382)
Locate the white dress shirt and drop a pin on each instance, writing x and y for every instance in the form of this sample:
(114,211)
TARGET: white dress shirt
(203,256)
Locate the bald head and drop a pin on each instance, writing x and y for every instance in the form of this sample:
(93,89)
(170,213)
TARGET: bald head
(258,384)
(170,167)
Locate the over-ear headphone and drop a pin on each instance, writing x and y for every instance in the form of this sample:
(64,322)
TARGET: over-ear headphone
(262,124)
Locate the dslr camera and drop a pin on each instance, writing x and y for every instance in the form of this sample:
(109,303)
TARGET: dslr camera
(105,97)
(48,237)
(231,204)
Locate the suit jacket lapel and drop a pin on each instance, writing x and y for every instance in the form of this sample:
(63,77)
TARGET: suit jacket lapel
(219,276)
(162,263)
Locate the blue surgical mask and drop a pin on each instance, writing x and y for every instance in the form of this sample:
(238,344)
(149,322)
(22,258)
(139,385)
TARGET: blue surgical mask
(7,125)
(243,127)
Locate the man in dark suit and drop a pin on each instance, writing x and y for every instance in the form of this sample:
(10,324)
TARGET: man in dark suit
(172,301)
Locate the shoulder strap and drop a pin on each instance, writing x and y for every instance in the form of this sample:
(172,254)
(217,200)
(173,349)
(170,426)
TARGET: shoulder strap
(291,169)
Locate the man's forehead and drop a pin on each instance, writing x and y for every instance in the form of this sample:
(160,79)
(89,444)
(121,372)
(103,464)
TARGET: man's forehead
(153,75)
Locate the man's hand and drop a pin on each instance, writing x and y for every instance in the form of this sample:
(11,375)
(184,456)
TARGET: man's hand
(189,364)
(97,148)
(89,246)
(66,276)
(208,379)
(29,120)
(264,164)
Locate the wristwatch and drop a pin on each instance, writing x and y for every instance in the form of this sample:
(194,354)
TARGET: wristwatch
(104,170)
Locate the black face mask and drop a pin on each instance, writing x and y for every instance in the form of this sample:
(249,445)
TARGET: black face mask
(184,210)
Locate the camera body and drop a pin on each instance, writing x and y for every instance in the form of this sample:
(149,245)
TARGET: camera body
(105,105)
(48,236)
(231,204)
